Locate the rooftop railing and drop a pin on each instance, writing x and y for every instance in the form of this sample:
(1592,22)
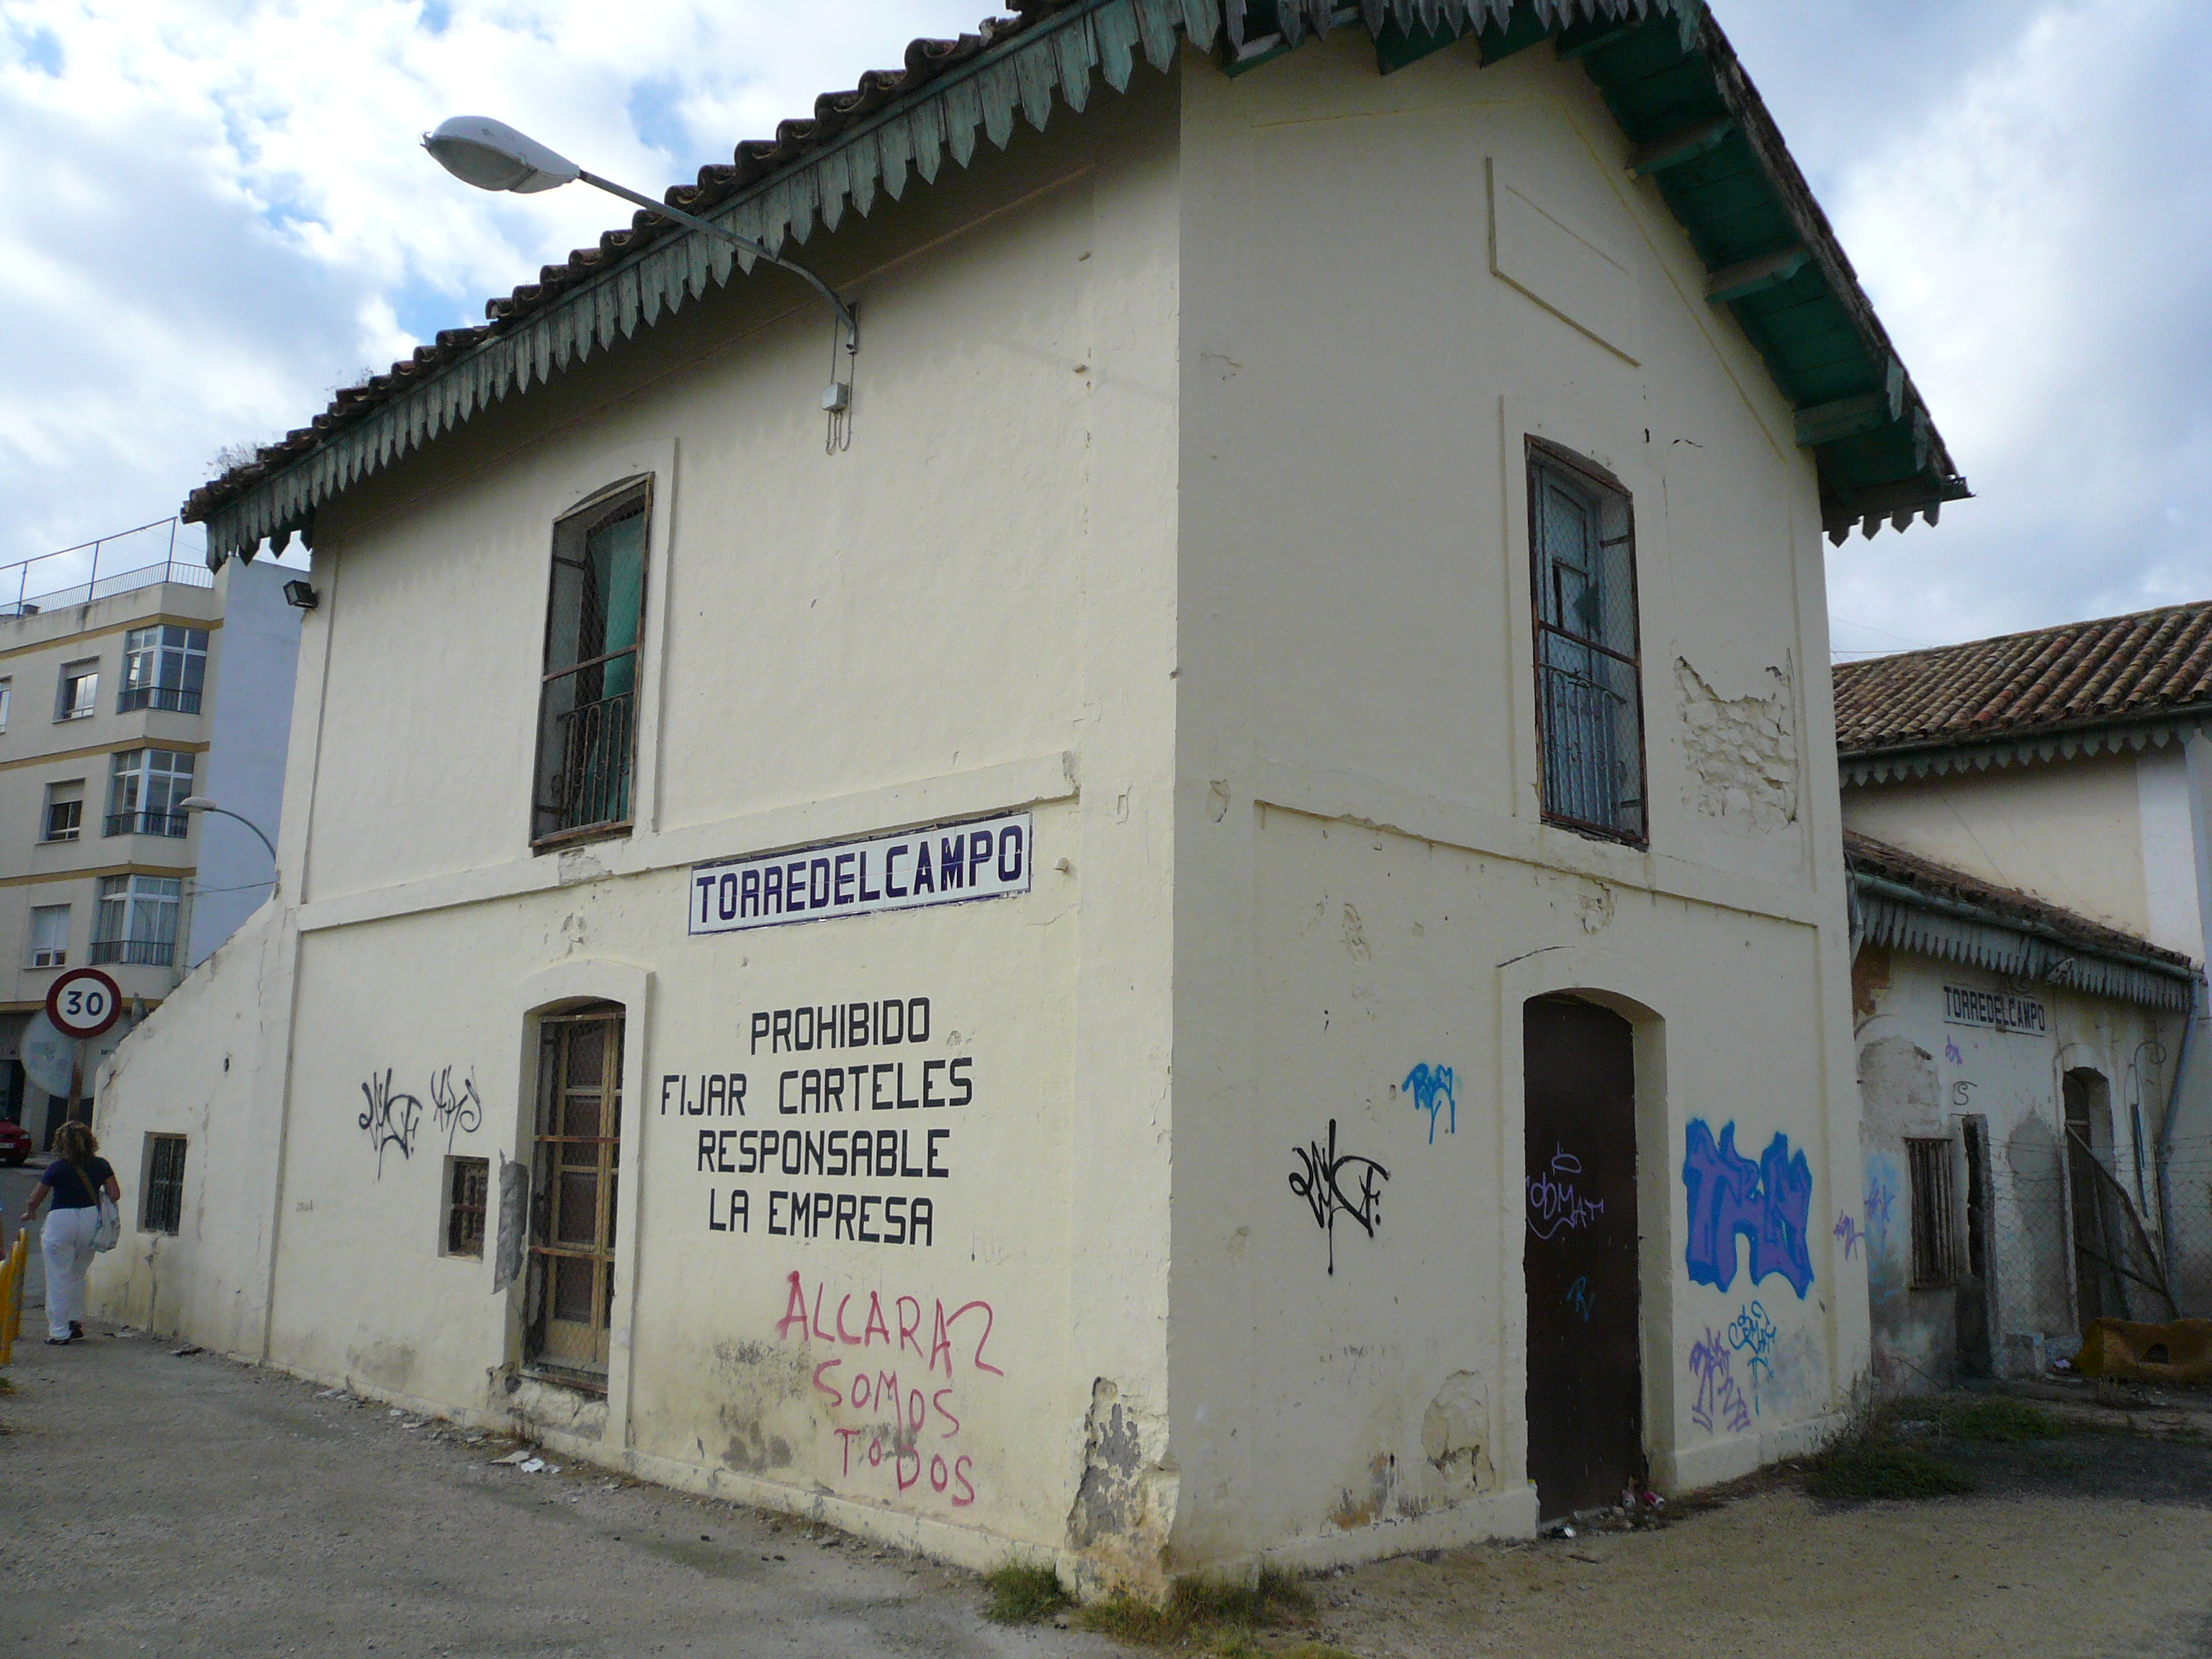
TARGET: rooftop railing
(129,560)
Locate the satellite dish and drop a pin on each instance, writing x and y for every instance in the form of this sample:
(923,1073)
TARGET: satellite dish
(49,1057)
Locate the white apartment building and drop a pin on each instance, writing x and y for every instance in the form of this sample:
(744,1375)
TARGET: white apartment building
(121,697)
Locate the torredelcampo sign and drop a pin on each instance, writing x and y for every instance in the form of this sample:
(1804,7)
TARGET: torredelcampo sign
(2000,1010)
(949,864)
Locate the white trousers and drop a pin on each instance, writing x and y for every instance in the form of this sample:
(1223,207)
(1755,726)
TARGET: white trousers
(67,1243)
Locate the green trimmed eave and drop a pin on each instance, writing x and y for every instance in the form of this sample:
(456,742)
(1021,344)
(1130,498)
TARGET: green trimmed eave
(1704,138)
(1698,130)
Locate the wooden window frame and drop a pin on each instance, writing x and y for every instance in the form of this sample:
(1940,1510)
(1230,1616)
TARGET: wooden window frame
(572,532)
(552,1347)
(1540,458)
(1930,1173)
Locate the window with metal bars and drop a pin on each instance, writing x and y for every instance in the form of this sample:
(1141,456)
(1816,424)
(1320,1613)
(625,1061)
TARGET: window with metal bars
(1934,1257)
(468,1180)
(587,709)
(572,1249)
(1590,691)
(161,1194)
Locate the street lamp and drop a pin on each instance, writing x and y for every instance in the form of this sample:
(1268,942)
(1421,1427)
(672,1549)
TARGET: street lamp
(492,155)
(201,804)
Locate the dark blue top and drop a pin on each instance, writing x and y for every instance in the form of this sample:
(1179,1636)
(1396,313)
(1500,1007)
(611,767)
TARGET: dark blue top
(68,1189)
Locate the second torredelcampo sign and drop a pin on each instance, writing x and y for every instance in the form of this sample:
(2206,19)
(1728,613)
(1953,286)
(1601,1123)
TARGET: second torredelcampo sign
(949,863)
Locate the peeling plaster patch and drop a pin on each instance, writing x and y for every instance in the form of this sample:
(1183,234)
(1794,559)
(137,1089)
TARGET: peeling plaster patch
(547,1405)
(1743,750)
(1355,936)
(581,864)
(1372,1502)
(1125,1499)
(387,1364)
(764,1381)
(1452,1433)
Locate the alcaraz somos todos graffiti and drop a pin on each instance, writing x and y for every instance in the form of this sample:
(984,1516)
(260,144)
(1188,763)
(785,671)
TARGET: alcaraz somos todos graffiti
(1768,1202)
(904,1433)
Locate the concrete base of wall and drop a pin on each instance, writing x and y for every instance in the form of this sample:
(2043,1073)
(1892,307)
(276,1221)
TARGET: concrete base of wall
(1478,1520)
(1719,1461)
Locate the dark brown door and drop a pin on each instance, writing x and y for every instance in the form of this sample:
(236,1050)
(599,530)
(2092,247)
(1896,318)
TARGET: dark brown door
(1585,1379)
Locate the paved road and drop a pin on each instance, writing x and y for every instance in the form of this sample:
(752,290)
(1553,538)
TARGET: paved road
(153,1503)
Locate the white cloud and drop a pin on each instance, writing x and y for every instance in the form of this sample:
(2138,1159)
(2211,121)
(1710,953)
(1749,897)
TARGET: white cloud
(212,214)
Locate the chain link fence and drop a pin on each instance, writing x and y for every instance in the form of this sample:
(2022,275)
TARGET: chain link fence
(2188,1222)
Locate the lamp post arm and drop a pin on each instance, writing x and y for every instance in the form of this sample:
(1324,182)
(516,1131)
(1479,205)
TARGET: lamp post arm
(844,312)
(250,824)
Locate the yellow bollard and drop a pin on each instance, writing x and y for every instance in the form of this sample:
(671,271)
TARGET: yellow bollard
(11,1294)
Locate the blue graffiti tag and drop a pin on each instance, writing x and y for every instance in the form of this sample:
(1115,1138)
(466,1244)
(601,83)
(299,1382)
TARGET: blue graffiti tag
(1582,1298)
(1751,1333)
(1847,1230)
(1767,1202)
(1431,1087)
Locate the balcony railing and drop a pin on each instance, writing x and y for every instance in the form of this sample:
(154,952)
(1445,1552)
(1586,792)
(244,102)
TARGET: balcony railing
(175,699)
(137,953)
(593,784)
(120,563)
(171,824)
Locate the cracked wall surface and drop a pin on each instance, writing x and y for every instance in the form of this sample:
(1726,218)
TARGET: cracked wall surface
(1124,1504)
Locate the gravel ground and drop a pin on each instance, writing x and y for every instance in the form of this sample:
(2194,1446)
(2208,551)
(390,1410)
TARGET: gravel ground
(182,1504)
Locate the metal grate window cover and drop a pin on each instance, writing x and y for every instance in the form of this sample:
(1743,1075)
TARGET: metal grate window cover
(468,1180)
(1589,690)
(162,1206)
(587,711)
(1934,1257)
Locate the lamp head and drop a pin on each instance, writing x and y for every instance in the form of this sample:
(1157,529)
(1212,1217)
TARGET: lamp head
(492,155)
(194,804)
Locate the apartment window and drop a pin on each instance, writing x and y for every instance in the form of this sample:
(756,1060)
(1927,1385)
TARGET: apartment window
(79,695)
(137,920)
(146,796)
(578,1129)
(161,1194)
(587,718)
(467,1181)
(64,815)
(50,929)
(163,667)
(1590,694)
(1930,1163)
(7,696)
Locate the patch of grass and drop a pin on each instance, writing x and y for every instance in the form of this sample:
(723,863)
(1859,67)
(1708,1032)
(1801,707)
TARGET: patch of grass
(1999,1419)
(1201,1609)
(1877,1467)
(1022,1594)
(1240,1645)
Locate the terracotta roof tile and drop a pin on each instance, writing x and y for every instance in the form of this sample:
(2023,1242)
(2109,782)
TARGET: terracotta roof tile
(2053,680)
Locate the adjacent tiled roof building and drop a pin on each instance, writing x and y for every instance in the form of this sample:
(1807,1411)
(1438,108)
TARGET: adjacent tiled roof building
(2078,687)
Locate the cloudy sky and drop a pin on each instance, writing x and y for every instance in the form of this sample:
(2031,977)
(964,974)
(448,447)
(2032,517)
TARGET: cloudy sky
(212,212)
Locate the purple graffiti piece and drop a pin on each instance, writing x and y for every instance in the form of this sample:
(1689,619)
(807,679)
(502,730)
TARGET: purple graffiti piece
(1768,1202)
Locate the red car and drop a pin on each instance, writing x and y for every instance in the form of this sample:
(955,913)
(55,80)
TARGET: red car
(16,1144)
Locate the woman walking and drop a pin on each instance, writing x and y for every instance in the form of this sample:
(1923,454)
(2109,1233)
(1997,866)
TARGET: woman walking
(74,1181)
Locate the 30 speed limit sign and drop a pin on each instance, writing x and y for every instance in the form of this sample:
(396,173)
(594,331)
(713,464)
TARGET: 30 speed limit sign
(83,1003)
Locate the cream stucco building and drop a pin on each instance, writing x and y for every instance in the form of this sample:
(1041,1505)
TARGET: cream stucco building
(2053,791)
(1215,933)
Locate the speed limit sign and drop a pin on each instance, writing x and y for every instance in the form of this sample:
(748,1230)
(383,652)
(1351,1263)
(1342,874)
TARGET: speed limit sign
(83,1003)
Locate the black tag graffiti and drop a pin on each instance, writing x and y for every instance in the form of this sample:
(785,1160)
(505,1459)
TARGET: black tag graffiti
(462,1113)
(390,1119)
(1320,1182)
